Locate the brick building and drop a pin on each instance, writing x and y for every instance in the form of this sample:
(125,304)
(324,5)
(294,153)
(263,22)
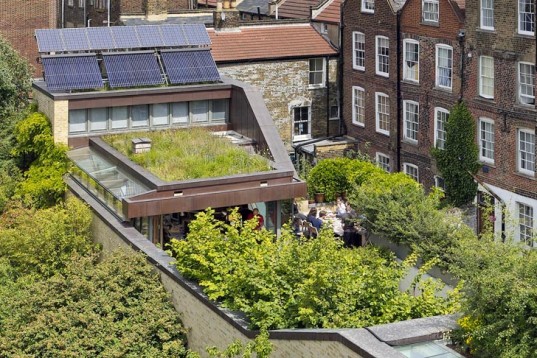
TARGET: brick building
(18,22)
(501,96)
(431,40)
(296,70)
(370,105)
(82,13)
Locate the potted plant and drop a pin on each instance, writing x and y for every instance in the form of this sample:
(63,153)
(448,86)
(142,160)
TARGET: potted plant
(329,178)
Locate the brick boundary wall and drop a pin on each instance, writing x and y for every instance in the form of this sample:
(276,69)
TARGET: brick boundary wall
(208,324)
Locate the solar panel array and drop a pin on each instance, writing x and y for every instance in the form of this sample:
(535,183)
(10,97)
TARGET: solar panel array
(72,72)
(184,51)
(121,37)
(190,66)
(132,69)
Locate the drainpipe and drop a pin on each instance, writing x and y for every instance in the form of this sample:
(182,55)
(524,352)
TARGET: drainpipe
(108,15)
(63,14)
(85,20)
(461,36)
(398,89)
(327,95)
(342,130)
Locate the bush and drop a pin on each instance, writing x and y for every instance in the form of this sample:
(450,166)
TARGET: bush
(285,283)
(115,308)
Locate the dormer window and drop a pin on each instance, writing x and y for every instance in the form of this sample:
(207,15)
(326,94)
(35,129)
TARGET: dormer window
(368,6)
(430,10)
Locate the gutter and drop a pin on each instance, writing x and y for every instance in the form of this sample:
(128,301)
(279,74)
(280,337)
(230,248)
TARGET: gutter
(398,89)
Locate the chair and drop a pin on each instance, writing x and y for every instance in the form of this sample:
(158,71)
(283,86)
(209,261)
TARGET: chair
(312,230)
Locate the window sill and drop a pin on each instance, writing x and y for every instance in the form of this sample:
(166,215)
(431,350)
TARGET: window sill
(526,176)
(443,89)
(333,119)
(410,141)
(382,74)
(411,82)
(484,162)
(361,69)
(387,134)
(361,125)
(486,31)
(525,35)
(313,87)
(367,11)
(430,23)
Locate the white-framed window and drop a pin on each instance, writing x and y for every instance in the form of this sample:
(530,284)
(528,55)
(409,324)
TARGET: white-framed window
(444,66)
(358,51)
(525,224)
(487,14)
(317,69)
(486,140)
(526,83)
(368,6)
(101,4)
(486,76)
(411,111)
(440,183)
(301,123)
(526,151)
(526,17)
(411,170)
(411,60)
(358,106)
(382,113)
(440,120)
(70,3)
(382,49)
(81,3)
(383,161)
(430,10)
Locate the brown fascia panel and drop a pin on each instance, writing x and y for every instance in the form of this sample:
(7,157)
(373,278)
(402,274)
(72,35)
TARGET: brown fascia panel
(215,199)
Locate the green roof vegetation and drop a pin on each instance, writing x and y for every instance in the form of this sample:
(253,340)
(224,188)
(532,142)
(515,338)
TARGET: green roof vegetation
(189,154)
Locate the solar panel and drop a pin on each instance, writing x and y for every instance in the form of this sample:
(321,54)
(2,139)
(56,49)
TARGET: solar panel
(173,35)
(132,69)
(100,38)
(49,40)
(125,37)
(72,72)
(190,66)
(75,39)
(196,34)
(149,36)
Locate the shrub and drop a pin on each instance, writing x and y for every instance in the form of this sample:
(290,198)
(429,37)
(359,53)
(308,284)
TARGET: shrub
(285,283)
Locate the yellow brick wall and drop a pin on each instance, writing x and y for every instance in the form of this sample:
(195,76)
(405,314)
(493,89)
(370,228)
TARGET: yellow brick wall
(57,112)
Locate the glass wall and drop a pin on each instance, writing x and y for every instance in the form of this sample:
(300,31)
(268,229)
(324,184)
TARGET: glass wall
(159,115)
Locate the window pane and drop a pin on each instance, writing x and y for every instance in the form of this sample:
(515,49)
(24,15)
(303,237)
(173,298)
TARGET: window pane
(430,10)
(120,117)
(486,140)
(486,79)
(77,120)
(383,55)
(180,113)
(487,13)
(526,85)
(359,50)
(358,109)
(219,110)
(526,16)
(160,114)
(411,61)
(443,66)
(140,115)
(199,111)
(98,119)
(441,116)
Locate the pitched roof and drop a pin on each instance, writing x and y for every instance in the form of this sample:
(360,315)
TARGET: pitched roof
(250,6)
(268,42)
(461,3)
(396,4)
(296,9)
(329,12)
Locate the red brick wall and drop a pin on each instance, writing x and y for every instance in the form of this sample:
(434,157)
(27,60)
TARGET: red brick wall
(507,48)
(382,22)
(18,21)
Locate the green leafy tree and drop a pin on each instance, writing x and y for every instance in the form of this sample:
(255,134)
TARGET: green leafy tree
(282,282)
(459,158)
(15,80)
(500,298)
(112,308)
(44,163)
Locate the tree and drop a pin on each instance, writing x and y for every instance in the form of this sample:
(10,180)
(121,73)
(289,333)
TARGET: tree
(500,298)
(15,80)
(112,308)
(283,282)
(458,161)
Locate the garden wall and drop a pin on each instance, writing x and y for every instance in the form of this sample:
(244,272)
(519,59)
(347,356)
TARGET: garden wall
(210,325)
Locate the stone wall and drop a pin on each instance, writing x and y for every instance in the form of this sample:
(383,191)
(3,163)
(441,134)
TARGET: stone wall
(284,85)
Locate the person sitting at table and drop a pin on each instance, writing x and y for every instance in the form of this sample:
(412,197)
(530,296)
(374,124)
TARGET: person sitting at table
(341,207)
(256,215)
(314,220)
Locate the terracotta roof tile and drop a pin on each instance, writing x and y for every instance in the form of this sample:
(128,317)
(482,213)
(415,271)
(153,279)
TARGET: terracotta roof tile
(268,42)
(296,9)
(330,13)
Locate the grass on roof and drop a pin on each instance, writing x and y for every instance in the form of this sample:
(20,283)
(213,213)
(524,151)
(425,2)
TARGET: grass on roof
(189,154)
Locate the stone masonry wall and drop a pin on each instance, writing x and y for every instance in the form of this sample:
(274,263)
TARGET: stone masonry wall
(285,85)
